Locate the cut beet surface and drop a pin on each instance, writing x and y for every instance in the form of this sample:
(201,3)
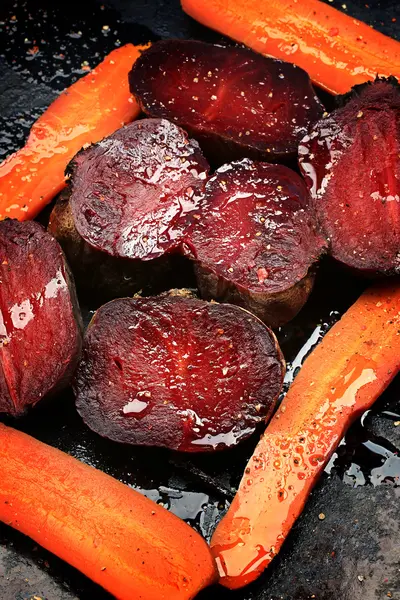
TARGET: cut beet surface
(40,323)
(235,102)
(351,164)
(130,191)
(177,372)
(254,240)
(100,277)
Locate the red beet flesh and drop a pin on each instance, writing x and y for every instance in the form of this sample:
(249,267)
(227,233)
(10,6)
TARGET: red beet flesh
(40,329)
(235,102)
(351,164)
(177,372)
(254,239)
(130,190)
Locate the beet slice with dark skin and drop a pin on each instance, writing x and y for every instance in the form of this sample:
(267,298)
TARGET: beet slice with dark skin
(40,322)
(131,190)
(254,240)
(177,372)
(100,277)
(236,102)
(350,161)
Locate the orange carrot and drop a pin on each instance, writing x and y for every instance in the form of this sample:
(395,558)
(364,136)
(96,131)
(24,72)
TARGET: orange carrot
(92,108)
(336,50)
(127,543)
(341,379)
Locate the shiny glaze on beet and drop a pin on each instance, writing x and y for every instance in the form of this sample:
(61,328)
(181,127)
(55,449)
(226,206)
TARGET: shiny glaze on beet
(40,328)
(350,161)
(235,102)
(131,190)
(254,239)
(177,372)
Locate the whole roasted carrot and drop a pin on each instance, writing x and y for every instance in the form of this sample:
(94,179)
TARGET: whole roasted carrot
(342,377)
(336,50)
(92,108)
(127,543)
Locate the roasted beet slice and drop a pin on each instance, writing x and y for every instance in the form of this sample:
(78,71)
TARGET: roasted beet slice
(130,191)
(351,164)
(235,102)
(177,372)
(100,277)
(254,240)
(40,323)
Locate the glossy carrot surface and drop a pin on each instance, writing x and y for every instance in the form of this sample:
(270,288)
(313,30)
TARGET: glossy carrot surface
(340,379)
(123,541)
(336,50)
(92,108)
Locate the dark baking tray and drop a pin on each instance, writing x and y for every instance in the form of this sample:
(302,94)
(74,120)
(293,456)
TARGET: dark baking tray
(353,552)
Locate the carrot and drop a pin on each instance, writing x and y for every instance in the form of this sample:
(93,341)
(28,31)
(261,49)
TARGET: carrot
(92,108)
(336,50)
(341,379)
(127,543)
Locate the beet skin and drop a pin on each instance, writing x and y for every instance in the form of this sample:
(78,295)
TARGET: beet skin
(177,372)
(254,240)
(40,323)
(235,102)
(351,164)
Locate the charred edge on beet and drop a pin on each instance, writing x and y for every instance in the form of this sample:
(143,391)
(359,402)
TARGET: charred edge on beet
(254,240)
(350,162)
(40,317)
(177,372)
(360,88)
(237,103)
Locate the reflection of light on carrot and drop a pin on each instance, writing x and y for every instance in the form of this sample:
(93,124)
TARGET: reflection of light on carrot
(354,381)
(336,50)
(340,379)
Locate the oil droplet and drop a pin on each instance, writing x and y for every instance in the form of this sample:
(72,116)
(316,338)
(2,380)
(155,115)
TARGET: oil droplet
(225,439)
(55,285)
(282,495)
(135,407)
(21,314)
(315,460)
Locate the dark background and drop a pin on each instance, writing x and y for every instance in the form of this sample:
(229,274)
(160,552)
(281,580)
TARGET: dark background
(353,553)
